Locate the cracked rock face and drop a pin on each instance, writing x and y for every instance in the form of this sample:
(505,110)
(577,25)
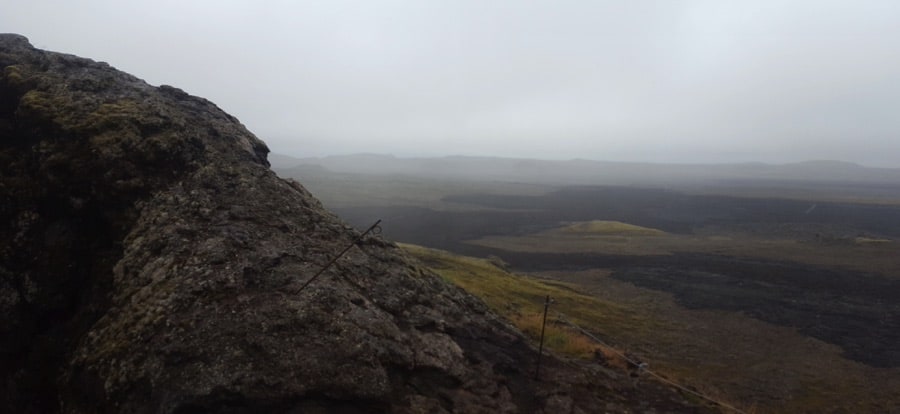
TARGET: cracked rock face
(150,260)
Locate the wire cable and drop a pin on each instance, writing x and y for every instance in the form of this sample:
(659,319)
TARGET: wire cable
(374,229)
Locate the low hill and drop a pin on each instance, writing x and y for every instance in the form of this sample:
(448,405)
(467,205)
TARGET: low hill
(609,228)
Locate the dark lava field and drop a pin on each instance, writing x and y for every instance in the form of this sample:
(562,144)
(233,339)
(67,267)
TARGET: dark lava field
(858,311)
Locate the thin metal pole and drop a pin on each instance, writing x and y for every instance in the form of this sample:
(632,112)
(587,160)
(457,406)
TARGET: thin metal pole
(537,371)
(324,268)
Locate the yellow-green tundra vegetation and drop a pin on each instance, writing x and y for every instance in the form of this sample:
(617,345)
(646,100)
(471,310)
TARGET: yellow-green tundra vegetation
(747,363)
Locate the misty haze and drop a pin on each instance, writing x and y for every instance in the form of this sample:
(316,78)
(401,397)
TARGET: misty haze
(418,206)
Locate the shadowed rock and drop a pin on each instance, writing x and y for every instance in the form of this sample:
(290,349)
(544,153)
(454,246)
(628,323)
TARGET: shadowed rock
(149,259)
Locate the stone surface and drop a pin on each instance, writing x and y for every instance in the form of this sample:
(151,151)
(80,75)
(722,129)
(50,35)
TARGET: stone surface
(150,260)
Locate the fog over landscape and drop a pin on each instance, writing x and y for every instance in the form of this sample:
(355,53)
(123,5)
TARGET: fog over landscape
(643,81)
(673,206)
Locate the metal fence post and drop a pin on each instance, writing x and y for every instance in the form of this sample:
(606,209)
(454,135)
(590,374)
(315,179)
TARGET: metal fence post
(537,371)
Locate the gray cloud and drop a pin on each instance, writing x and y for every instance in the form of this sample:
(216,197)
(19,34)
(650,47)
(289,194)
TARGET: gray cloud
(687,81)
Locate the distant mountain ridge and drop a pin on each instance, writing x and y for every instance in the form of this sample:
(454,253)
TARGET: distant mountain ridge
(582,171)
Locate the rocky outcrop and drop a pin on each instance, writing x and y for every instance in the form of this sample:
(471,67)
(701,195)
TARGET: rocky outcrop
(149,261)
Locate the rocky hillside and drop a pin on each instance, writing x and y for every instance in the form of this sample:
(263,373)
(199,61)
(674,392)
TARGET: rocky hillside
(149,260)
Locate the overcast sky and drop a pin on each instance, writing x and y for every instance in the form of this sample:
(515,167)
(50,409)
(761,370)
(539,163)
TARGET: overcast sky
(676,81)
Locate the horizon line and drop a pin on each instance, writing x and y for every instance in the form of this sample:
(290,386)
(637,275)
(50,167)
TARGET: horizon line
(583,159)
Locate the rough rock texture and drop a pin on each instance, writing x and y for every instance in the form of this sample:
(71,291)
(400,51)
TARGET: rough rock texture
(148,259)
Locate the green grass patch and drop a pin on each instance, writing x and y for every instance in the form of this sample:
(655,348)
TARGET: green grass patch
(610,228)
(520,299)
(871,240)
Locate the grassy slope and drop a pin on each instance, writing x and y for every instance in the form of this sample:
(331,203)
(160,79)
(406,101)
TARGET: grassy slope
(730,356)
(520,299)
(516,297)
